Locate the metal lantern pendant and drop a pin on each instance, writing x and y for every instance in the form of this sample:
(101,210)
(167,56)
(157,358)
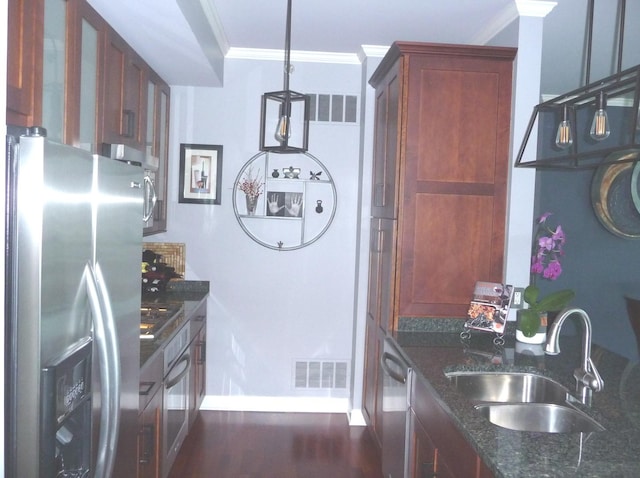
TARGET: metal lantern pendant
(594,125)
(284,120)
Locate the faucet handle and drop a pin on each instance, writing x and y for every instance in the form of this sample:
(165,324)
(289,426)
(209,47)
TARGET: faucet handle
(597,383)
(590,377)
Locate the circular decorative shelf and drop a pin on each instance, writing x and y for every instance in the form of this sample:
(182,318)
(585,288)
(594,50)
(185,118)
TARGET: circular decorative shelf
(296,204)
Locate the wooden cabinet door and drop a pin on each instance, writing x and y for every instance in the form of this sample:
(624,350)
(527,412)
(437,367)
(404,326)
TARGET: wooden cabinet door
(198,378)
(24,62)
(157,145)
(372,386)
(382,256)
(386,144)
(125,92)
(84,98)
(150,438)
(454,455)
(454,185)
(422,452)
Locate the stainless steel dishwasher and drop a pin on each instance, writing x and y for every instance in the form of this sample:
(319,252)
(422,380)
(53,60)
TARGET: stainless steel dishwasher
(395,410)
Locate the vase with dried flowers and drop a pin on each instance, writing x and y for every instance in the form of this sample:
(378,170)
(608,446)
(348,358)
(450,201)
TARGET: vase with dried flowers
(251,186)
(548,248)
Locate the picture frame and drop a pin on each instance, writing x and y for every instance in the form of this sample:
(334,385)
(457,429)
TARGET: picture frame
(200,174)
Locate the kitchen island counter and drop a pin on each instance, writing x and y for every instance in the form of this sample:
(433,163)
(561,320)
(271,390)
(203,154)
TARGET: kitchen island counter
(613,452)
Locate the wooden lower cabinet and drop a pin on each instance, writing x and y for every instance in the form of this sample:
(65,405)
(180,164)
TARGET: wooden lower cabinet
(150,438)
(198,377)
(436,447)
(372,388)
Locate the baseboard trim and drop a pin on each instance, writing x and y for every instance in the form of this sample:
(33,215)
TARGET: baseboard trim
(356,418)
(276,404)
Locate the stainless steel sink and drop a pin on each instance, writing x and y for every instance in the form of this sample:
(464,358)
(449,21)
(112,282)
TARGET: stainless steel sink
(508,387)
(523,402)
(539,417)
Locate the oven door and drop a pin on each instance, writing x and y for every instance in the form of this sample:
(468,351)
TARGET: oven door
(175,409)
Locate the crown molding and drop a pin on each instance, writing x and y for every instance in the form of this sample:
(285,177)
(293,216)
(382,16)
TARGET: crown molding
(534,8)
(296,55)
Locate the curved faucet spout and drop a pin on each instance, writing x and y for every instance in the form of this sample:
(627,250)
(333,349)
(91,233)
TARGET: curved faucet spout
(586,375)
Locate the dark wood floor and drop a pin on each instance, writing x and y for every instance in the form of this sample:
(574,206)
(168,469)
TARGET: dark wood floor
(276,445)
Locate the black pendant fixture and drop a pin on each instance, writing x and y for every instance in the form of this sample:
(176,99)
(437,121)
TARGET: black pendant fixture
(284,119)
(596,124)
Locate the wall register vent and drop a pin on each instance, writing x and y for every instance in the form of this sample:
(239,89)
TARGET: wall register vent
(321,374)
(333,108)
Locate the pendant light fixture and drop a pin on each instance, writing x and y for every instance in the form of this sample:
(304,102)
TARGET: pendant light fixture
(564,136)
(600,124)
(582,129)
(284,119)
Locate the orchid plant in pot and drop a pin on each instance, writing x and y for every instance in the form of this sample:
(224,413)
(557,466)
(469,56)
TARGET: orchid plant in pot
(545,263)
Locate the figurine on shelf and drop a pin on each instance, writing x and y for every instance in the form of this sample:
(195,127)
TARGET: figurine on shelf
(291,172)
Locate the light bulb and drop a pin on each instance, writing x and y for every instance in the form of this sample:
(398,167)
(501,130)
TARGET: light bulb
(564,136)
(600,124)
(283,131)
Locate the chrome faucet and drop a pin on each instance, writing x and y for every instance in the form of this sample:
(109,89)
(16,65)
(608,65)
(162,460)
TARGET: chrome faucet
(587,377)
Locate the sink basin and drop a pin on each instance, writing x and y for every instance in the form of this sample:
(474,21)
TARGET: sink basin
(508,387)
(539,417)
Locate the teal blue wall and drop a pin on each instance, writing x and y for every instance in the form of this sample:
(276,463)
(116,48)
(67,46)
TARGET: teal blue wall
(598,265)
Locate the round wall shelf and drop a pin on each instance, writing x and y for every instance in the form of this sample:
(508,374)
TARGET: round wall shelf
(297,200)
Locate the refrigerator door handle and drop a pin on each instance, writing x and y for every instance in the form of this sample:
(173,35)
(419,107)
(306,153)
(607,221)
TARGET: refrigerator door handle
(104,329)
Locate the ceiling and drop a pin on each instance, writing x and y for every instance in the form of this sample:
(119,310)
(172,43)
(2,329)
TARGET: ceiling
(183,40)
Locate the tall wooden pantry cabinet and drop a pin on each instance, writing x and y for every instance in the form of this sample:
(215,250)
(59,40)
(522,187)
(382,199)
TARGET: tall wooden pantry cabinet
(441,160)
(440,170)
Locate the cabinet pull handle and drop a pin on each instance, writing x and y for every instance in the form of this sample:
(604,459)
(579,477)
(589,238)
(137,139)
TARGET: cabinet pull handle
(202,356)
(378,195)
(129,118)
(378,241)
(147,433)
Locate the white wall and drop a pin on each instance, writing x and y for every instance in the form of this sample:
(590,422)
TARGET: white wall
(267,308)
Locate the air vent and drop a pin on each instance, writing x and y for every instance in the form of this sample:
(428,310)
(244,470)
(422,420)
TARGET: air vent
(321,374)
(333,108)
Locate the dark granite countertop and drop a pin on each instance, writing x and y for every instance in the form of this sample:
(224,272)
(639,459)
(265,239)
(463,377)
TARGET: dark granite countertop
(186,294)
(434,347)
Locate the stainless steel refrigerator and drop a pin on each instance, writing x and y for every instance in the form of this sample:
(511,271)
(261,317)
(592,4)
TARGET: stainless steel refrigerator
(72,308)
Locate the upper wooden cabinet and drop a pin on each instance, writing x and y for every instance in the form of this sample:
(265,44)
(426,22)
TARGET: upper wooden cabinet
(95,85)
(24,62)
(88,33)
(440,169)
(125,100)
(70,72)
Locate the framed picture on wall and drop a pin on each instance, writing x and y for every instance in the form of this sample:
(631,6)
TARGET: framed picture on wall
(200,173)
